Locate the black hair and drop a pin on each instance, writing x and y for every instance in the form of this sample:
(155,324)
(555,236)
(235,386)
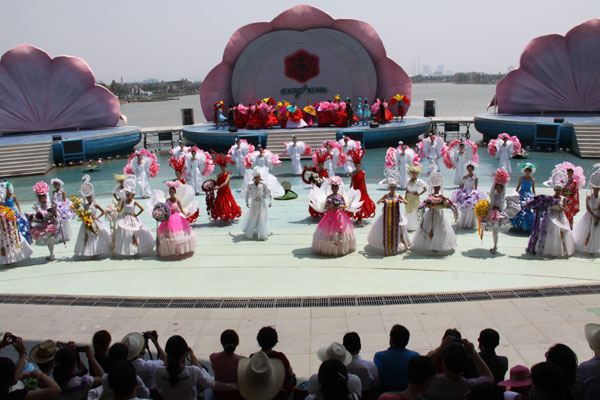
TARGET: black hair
(267,337)
(122,378)
(64,368)
(333,379)
(420,369)
(101,340)
(176,348)
(486,391)
(489,339)
(455,333)
(352,342)
(172,188)
(455,358)
(566,359)
(399,336)
(117,352)
(7,375)
(548,379)
(229,340)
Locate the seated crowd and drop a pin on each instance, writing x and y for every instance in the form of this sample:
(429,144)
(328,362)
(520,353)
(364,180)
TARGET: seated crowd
(455,370)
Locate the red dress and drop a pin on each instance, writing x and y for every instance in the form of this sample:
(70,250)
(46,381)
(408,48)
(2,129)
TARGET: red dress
(253,120)
(239,119)
(571,193)
(225,206)
(367,210)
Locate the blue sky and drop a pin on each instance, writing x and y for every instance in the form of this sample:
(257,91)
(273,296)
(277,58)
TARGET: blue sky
(140,39)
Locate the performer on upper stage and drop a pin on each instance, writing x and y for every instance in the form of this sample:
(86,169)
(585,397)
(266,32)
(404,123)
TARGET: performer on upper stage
(143,165)
(587,231)
(240,115)
(415,187)
(382,113)
(432,148)
(367,210)
(366,112)
(457,155)
(296,150)
(576,179)
(504,148)
(199,165)
(467,196)
(309,113)
(523,221)
(359,111)
(403,103)
(13,246)
(265,160)
(295,117)
(346,144)
(237,152)
(257,221)
(225,206)
(397,162)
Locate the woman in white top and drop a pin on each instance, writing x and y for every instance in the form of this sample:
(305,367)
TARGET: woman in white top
(131,237)
(92,241)
(415,187)
(587,231)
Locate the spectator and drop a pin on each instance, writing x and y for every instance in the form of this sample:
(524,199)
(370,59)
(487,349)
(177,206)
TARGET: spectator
(439,362)
(420,373)
(66,373)
(333,382)
(267,339)
(489,339)
(123,380)
(392,363)
(43,355)
(260,377)
(225,363)
(365,370)
(589,371)
(101,342)
(548,382)
(452,385)
(116,353)
(485,391)
(8,377)
(335,351)
(145,369)
(566,360)
(519,383)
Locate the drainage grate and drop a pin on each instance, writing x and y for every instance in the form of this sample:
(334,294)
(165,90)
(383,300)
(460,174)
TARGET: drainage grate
(316,302)
(391,300)
(370,301)
(503,294)
(181,303)
(158,303)
(135,303)
(524,293)
(288,303)
(580,290)
(550,292)
(477,296)
(423,298)
(450,297)
(234,303)
(40,300)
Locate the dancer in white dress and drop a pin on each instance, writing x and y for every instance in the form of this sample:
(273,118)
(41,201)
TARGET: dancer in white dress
(586,232)
(119,190)
(467,196)
(63,208)
(399,160)
(180,150)
(13,246)
(238,152)
(199,165)
(46,228)
(432,148)
(93,240)
(256,224)
(457,155)
(337,158)
(265,160)
(435,235)
(131,237)
(143,165)
(346,144)
(415,187)
(296,149)
(504,148)
(389,235)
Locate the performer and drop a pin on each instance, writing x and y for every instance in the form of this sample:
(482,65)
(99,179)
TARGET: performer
(295,118)
(435,235)
(432,148)
(11,201)
(240,115)
(238,152)
(388,234)
(349,112)
(504,148)
(523,221)
(282,113)
(309,113)
(220,118)
(415,187)
(403,103)
(382,113)
(587,231)
(366,112)
(359,111)
(178,165)
(131,237)
(265,160)
(225,206)
(199,165)
(180,150)
(316,176)
(13,246)
(397,162)
(296,150)
(46,229)
(467,196)
(337,158)
(143,165)
(367,209)
(119,190)
(63,208)
(576,179)
(334,235)
(457,154)
(94,239)
(346,144)
(257,222)
(175,236)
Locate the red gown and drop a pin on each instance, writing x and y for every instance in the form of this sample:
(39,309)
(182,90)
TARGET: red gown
(239,119)
(388,116)
(367,210)
(225,206)
(254,120)
(571,193)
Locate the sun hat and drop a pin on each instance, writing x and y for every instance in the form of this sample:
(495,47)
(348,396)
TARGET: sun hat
(129,184)
(592,335)
(41,188)
(86,189)
(57,180)
(260,377)
(595,179)
(528,165)
(334,351)
(43,352)
(135,344)
(519,376)
(414,169)
(120,177)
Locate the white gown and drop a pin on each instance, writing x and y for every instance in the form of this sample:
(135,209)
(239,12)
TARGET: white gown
(349,164)
(466,219)
(402,160)
(195,168)
(119,192)
(585,233)
(237,157)
(557,245)
(270,180)
(89,244)
(142,176)
(443,241)
(256,224)
(413,203)
(504,154)
(376,234)
(13,254)
(295,153)
(131,237)
(64,222)
(460,161)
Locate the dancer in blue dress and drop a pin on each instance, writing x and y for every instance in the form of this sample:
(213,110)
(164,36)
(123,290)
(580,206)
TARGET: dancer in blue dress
(12,202)
(523,221)
(366,112)
(359,111)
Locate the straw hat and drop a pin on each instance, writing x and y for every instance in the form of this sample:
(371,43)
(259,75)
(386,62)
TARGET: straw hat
(334,351)
(519,376)
(135,344)
(414,169)
(592,335)
(43,352)
(260,377)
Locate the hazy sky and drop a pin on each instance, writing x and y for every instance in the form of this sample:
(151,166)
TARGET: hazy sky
(171,39)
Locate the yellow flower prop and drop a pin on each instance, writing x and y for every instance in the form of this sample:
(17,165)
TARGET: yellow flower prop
(481,210)
(8,213)
(83,215)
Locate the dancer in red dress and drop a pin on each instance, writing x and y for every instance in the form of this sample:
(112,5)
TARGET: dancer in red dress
(178,164)
(576,180)
(367,210)
(225,206)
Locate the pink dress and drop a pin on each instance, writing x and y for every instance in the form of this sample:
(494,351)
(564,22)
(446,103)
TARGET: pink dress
(335,233)
(175,235)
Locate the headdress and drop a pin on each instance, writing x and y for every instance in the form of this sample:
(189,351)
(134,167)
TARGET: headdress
(2,191)
(501,177)
(9,186)
(178,164)
(471,163)
(336,180)
(595,179)
(322,156)
(356,155)
(414,169)
(558,180)
(528,165)
(392,182)
(129,184)
(436,179)
(41,188)
(256,172)
(504,136)
(400,143)
(174,184)
(120,177)
(86,189)
(220,159)
(56,180)
(294,137)
(196,149)
(578,175)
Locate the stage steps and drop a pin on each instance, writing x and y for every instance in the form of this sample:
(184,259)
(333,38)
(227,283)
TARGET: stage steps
(26,159)
(313,137)
(587,140)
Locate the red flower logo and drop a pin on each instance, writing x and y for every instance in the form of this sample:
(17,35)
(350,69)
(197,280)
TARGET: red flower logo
(301,66)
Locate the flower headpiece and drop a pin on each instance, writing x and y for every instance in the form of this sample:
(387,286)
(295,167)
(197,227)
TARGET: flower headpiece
(471,164)
(86,189)
(220,159)
(56,180)
(173,184)
(196,149)
(595,179)
(504,136)
(129,184)
(559,180)
(41,188)
(356,155)
(436,179)
(501,177)
(528,165)
(178,164)
(578,175)
(335,180)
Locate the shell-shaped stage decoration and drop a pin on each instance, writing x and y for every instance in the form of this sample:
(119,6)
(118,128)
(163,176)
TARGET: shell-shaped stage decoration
(41,93)
(556,73)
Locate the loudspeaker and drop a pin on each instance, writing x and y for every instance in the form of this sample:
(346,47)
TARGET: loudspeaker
(374,125)
(559,120)
(233,129)
(187,116)
(429,108)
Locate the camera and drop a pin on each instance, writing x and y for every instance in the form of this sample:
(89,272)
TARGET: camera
(10,338)
(79,349)
(149,335)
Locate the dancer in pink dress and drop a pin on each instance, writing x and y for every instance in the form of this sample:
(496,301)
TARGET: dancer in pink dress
(175,235)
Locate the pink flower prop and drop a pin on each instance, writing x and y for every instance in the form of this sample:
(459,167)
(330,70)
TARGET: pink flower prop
(154,166)
(174,184)
(41,188)
(502,177)
(307,151)
(578,175)
(275,159)
(336,180)
(210,165)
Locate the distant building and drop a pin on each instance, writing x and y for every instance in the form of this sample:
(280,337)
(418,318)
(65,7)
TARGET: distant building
(426,70)
(440,69)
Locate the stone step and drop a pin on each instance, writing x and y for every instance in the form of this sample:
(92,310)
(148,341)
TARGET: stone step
(25,159)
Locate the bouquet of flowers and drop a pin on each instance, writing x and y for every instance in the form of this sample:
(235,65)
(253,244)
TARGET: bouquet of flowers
(312,177)
(112,215)
(208,187)
(83,215)
(161,212)
(9,229)
(437,202)
(481,210)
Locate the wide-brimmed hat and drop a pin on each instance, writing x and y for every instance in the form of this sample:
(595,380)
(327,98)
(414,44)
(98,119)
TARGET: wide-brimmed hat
(414,169)
(43,352)
(260,377)
(592,335)
(135,344)
(519,376)
(334,351)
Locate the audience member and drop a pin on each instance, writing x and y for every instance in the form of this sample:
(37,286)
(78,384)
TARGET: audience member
(260,377)
(9,377)
(43,355)
(566,360)
(392,363)
(485,391)
(365,370)
(116,353)
(122,379)
(267,339)
(439,364)
(101,343)
(66,370)
(225,363)
(548,382)
(589,371)
(335,351)
(420,372)
(333,382)
(519,383)
(452,385)
(145,369)
(489,339)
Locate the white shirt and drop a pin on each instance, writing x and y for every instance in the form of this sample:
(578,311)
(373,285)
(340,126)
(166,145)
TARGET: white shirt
(146,370)
(366,371)
(191,379)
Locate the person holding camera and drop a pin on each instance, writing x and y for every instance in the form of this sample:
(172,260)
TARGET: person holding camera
(118,354)
(69,372)
(136,348)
